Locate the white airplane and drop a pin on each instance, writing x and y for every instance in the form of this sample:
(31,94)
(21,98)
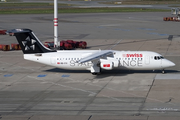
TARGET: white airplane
(93,60)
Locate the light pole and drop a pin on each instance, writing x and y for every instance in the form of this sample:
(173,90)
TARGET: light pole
(55,23)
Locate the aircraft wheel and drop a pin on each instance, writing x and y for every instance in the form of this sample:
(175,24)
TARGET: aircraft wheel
(96,73)
(163,72)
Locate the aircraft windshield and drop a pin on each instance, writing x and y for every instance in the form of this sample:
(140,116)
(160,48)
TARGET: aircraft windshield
(158,57)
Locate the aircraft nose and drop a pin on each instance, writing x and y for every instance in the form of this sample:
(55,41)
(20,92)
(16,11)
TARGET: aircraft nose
(171,64)
(167,63)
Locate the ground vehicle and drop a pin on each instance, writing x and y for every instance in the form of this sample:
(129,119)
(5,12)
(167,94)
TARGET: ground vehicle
(174,11)
(3,32)
(68,44)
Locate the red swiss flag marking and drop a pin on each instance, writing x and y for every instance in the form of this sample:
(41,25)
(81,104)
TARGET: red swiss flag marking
(106,65)
(58,62)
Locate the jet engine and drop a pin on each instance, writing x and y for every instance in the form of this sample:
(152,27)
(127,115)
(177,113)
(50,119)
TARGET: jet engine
(107,65)
(114,61)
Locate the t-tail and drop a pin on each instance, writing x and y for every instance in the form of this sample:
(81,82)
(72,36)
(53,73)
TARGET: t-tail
(28,41)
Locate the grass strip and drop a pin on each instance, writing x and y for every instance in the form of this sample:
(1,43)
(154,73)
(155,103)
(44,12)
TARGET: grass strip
(101,10)
(31,4)
(76,10)
(23,4)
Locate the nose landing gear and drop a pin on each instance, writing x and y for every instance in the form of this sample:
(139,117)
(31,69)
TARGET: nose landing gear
(163,71)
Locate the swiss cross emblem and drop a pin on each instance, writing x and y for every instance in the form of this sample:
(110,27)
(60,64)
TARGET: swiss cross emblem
(106,65)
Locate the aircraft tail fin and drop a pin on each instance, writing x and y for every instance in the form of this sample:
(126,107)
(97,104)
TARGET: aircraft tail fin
(28,41)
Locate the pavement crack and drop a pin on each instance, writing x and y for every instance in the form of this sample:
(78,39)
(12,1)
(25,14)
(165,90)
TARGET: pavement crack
(168,47)
(142,106)
(147,117)
(90,117)
(94,97)
(170,37)
(169,100)
(142,44)
(30,117)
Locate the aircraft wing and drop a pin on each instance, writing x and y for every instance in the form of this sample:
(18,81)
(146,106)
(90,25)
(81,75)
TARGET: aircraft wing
(96,56)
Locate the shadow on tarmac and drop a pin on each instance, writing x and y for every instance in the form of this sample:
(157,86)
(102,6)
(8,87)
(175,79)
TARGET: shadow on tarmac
(106,73)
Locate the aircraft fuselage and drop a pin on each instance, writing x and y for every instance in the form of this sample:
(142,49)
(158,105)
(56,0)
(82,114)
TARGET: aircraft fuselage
(129,60)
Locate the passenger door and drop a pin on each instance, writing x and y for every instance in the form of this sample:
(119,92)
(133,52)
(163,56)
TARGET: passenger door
(147,60)
(53,60)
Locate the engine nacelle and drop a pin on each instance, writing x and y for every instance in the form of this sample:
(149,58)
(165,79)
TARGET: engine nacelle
(107,65)
(114,61)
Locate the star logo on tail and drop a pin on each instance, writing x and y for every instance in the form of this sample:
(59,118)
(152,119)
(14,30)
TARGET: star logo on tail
(29,44)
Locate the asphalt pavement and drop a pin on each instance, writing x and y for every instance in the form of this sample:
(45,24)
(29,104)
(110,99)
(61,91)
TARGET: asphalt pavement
(35,91)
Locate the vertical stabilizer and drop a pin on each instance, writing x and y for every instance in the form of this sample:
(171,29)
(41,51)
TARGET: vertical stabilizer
(28,41)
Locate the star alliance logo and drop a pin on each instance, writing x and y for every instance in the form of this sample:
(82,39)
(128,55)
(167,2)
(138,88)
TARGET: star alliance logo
(29,44)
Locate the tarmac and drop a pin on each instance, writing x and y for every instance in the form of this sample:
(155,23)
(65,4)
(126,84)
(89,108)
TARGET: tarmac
(33,91)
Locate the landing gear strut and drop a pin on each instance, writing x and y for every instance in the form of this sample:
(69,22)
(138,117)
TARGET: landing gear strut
(95,69)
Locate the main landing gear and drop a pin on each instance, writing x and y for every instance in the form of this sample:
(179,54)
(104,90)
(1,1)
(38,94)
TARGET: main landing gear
(96,73)
(95,69)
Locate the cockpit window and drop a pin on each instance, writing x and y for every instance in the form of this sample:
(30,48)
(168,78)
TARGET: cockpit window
(162,57)
(158,57)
